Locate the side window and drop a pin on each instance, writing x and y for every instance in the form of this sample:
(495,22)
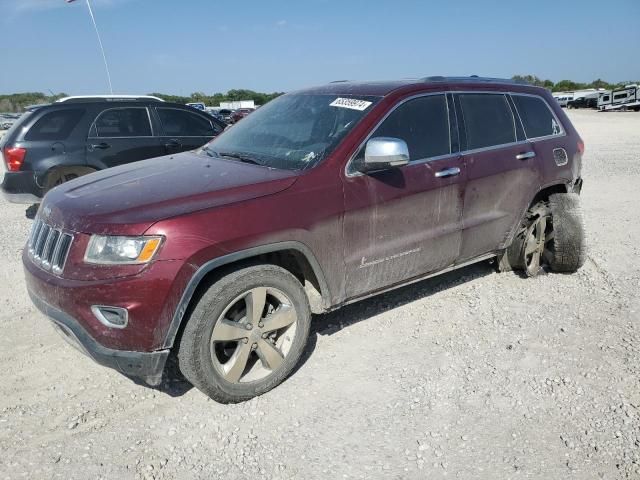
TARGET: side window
(488,120)
(536,116)
(122,122)
(423,123)
(180,123)
(55,125)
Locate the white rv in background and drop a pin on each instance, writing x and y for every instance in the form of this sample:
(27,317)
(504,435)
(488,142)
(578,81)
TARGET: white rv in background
(620,99)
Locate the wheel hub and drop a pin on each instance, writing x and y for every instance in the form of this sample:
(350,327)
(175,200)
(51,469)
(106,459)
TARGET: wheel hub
(253,335)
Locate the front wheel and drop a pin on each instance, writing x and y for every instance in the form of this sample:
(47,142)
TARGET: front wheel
(246,333)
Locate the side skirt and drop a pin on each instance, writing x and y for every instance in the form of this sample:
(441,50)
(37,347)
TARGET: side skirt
(416,279)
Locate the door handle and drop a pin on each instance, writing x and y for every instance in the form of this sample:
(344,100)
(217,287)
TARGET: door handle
(173,143)
(525,155)
(100,146)
(448,172)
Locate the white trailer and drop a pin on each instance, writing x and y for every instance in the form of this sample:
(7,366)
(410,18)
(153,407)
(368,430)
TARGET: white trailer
(627,98)
(238,104)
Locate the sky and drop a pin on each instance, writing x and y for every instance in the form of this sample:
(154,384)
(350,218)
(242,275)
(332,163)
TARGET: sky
(187,46)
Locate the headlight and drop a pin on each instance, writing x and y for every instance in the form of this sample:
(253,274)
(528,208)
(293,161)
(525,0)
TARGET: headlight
(121,250)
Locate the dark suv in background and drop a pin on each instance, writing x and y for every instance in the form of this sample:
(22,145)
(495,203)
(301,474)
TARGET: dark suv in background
(68,139)
(318,199)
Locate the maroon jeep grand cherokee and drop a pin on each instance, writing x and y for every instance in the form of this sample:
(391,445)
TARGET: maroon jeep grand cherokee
(318,199)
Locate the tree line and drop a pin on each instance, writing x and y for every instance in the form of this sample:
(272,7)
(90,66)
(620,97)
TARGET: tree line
(16,102)
(569,85)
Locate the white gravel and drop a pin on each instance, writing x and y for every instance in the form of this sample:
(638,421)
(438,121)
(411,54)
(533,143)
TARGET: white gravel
(471,375)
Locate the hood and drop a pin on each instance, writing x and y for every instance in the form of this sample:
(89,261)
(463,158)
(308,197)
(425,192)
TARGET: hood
(130,198)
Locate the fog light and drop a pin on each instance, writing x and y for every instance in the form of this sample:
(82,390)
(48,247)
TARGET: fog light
(112,317)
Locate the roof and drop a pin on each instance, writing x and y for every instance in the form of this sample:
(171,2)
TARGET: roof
(383,88)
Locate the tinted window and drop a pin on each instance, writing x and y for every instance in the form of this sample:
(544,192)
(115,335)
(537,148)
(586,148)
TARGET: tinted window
(123,122)
(423,123)
(55,125)
(488,120)
(180,123)
(537,119)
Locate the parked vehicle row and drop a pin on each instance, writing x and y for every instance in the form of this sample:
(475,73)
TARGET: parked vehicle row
(318,199)
(230,116)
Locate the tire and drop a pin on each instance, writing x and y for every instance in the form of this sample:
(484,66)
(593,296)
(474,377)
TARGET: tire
(212,348)
(569,245)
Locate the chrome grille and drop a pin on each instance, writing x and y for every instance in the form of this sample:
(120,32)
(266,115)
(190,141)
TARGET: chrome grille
(48,246)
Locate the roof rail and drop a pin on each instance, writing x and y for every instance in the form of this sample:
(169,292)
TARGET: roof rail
(472,79)
(108,98)
(339,81)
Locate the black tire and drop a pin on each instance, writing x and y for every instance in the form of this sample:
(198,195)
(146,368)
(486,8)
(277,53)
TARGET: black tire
(195,356)
(569,245)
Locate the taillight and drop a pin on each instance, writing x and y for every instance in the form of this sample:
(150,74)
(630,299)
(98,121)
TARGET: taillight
(580,147)
(13,157)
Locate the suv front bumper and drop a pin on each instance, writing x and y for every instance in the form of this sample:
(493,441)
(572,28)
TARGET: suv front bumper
(21,187)
(146,365)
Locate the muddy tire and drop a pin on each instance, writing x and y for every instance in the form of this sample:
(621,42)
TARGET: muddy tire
(569,245)
(246,333)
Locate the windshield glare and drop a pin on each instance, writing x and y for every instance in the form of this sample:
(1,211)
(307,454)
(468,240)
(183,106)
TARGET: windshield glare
(293,132)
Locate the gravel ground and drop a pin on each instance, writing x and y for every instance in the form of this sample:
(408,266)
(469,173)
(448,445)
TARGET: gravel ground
(471,375)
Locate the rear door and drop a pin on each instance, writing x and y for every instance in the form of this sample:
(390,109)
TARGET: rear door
(547,137)
(402,223)
(183,129)
(503,172)
(121,135)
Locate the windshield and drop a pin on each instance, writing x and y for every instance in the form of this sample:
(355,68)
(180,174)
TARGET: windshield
(292,132)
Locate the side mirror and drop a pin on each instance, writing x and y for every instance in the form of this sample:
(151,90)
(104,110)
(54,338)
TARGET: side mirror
(382,153)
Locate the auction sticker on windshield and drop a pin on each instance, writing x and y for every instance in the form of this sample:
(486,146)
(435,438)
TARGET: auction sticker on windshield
(352,103)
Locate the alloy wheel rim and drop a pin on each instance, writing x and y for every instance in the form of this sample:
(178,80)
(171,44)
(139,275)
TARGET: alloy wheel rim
(253,335)
(539,245)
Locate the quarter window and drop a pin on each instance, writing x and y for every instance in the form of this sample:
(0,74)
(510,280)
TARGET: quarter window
(122,122)
(423,123)
(488,120)
(180,123)
(536,116)
(55,125)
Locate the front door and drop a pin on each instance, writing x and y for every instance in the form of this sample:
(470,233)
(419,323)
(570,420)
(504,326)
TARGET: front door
(404,222)
(121,135)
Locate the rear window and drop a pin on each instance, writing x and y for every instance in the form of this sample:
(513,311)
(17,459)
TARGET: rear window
(181,123)
(536,116)
(56,125)
(122,122)
(488,120)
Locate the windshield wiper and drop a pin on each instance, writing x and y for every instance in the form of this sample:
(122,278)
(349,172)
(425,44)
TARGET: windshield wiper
(240,156)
